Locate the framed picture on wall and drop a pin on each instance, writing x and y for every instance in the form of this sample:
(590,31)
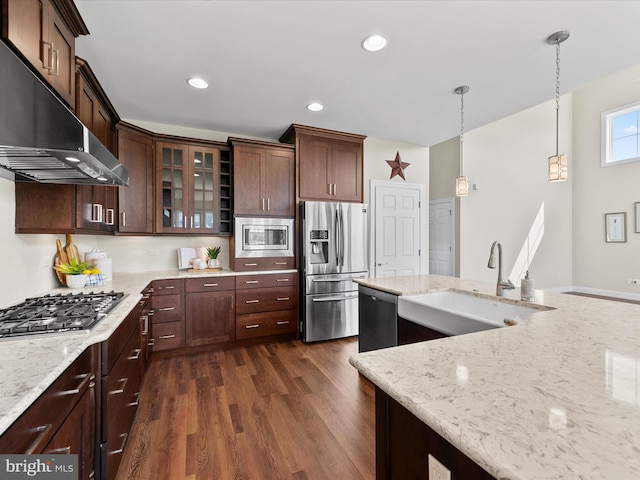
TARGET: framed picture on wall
(615,225)
(637,210)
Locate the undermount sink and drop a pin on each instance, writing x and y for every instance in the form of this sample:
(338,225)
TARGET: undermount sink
(457,313)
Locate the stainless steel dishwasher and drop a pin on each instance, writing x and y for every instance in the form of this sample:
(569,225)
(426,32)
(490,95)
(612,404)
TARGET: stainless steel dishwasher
(377,319)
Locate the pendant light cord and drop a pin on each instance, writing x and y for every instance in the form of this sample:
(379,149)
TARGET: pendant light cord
(461,128)
(557,94)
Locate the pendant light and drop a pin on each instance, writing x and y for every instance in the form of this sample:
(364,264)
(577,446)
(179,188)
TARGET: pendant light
(558,166)
(462,182)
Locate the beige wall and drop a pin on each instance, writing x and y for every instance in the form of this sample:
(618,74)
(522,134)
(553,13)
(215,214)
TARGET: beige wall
(597,190)
(507,160)
(444,168)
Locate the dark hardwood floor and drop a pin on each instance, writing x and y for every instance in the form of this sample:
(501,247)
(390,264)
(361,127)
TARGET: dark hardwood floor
(284,410)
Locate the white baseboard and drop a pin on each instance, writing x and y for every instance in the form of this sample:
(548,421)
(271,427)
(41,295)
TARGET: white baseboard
(596,291)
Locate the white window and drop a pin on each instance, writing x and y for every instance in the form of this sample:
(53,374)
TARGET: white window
(621,135)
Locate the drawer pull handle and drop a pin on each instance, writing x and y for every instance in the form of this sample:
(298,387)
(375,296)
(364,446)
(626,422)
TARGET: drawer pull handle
(282,323)
(168,287)
(250,264)
(124,442)
(164,337)
(151,342)
(166,309)
(255,325)
(121,390)
(42,431)
(282,299)
(86,377)
(252,301)
(252,281)
(282,280)
(279,263)
(63,450)
(136,354)
(136,402)
(210,285)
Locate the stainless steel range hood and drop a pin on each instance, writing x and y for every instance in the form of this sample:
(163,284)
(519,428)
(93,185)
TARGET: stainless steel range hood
(41,139)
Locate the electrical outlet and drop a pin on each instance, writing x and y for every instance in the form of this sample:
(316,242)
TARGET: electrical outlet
(437,471)
(153,252)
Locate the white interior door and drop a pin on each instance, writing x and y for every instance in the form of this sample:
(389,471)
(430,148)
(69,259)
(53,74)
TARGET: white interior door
(441,237)
(398,229)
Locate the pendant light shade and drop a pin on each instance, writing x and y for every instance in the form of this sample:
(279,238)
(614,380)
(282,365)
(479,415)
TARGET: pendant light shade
(558,164)
(462,182)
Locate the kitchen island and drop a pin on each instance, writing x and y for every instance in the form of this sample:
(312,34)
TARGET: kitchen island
(554,397)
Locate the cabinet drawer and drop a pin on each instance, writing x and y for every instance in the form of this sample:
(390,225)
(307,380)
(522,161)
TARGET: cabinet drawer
(264,263)
(266,299)
(167,287)
(262,324)
(167,308)
(167,336)
(33,430)
(114,346)
(209,284)
(266,280)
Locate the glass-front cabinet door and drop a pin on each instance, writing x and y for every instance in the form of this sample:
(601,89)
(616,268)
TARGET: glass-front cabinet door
(205,199)
(172,173)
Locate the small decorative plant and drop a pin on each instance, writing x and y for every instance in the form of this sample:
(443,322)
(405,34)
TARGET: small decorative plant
(212,252)
(73,267)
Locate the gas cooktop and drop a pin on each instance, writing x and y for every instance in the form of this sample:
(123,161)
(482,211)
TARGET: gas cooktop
(57,313)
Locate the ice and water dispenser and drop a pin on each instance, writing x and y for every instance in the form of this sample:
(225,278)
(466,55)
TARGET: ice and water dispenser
(319,246)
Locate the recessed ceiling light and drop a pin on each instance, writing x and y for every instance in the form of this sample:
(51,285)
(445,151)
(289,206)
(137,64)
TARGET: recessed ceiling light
(72,159)
(315,107)
(197,83)
(373,43)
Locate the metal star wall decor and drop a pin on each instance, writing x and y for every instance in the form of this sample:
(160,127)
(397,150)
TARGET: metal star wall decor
(397,166)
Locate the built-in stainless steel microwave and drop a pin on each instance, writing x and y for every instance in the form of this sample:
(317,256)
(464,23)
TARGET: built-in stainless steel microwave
(263,237)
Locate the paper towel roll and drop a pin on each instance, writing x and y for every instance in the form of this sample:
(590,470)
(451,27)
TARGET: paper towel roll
(105,267)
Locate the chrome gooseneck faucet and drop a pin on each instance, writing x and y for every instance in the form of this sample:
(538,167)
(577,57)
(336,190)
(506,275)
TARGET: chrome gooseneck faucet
(500,285)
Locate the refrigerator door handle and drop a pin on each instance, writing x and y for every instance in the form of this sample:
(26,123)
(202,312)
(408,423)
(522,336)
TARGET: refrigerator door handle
(342,239)
(336,229)
(332,299)
(335,280)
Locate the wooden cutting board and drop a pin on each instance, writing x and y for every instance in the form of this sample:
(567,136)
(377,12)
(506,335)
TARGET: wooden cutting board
(71,250)
(61,257)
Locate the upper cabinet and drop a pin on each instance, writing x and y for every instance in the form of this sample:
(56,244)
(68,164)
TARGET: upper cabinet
(97,206)
(263,178)
(190,178)
(329,164)
(44,31)
(135,201)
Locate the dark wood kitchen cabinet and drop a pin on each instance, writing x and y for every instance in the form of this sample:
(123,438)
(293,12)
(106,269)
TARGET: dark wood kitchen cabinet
(411,332)
(267,304)
(167,315)
(188,186)
(135,201)
(96,205)
(329,164)
(44,31)
(75,208)
(63,418)
(120,367)
(210,310)
(263,178)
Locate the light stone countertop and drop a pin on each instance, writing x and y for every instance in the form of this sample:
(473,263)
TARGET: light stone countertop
(555,397)
(31,364)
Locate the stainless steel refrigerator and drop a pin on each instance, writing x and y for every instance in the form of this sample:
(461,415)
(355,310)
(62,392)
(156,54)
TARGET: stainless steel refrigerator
(334,243)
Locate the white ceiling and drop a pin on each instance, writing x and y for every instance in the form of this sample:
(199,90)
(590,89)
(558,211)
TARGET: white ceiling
(266,60)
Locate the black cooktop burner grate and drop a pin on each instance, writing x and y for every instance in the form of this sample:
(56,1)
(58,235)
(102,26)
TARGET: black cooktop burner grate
(57,313)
